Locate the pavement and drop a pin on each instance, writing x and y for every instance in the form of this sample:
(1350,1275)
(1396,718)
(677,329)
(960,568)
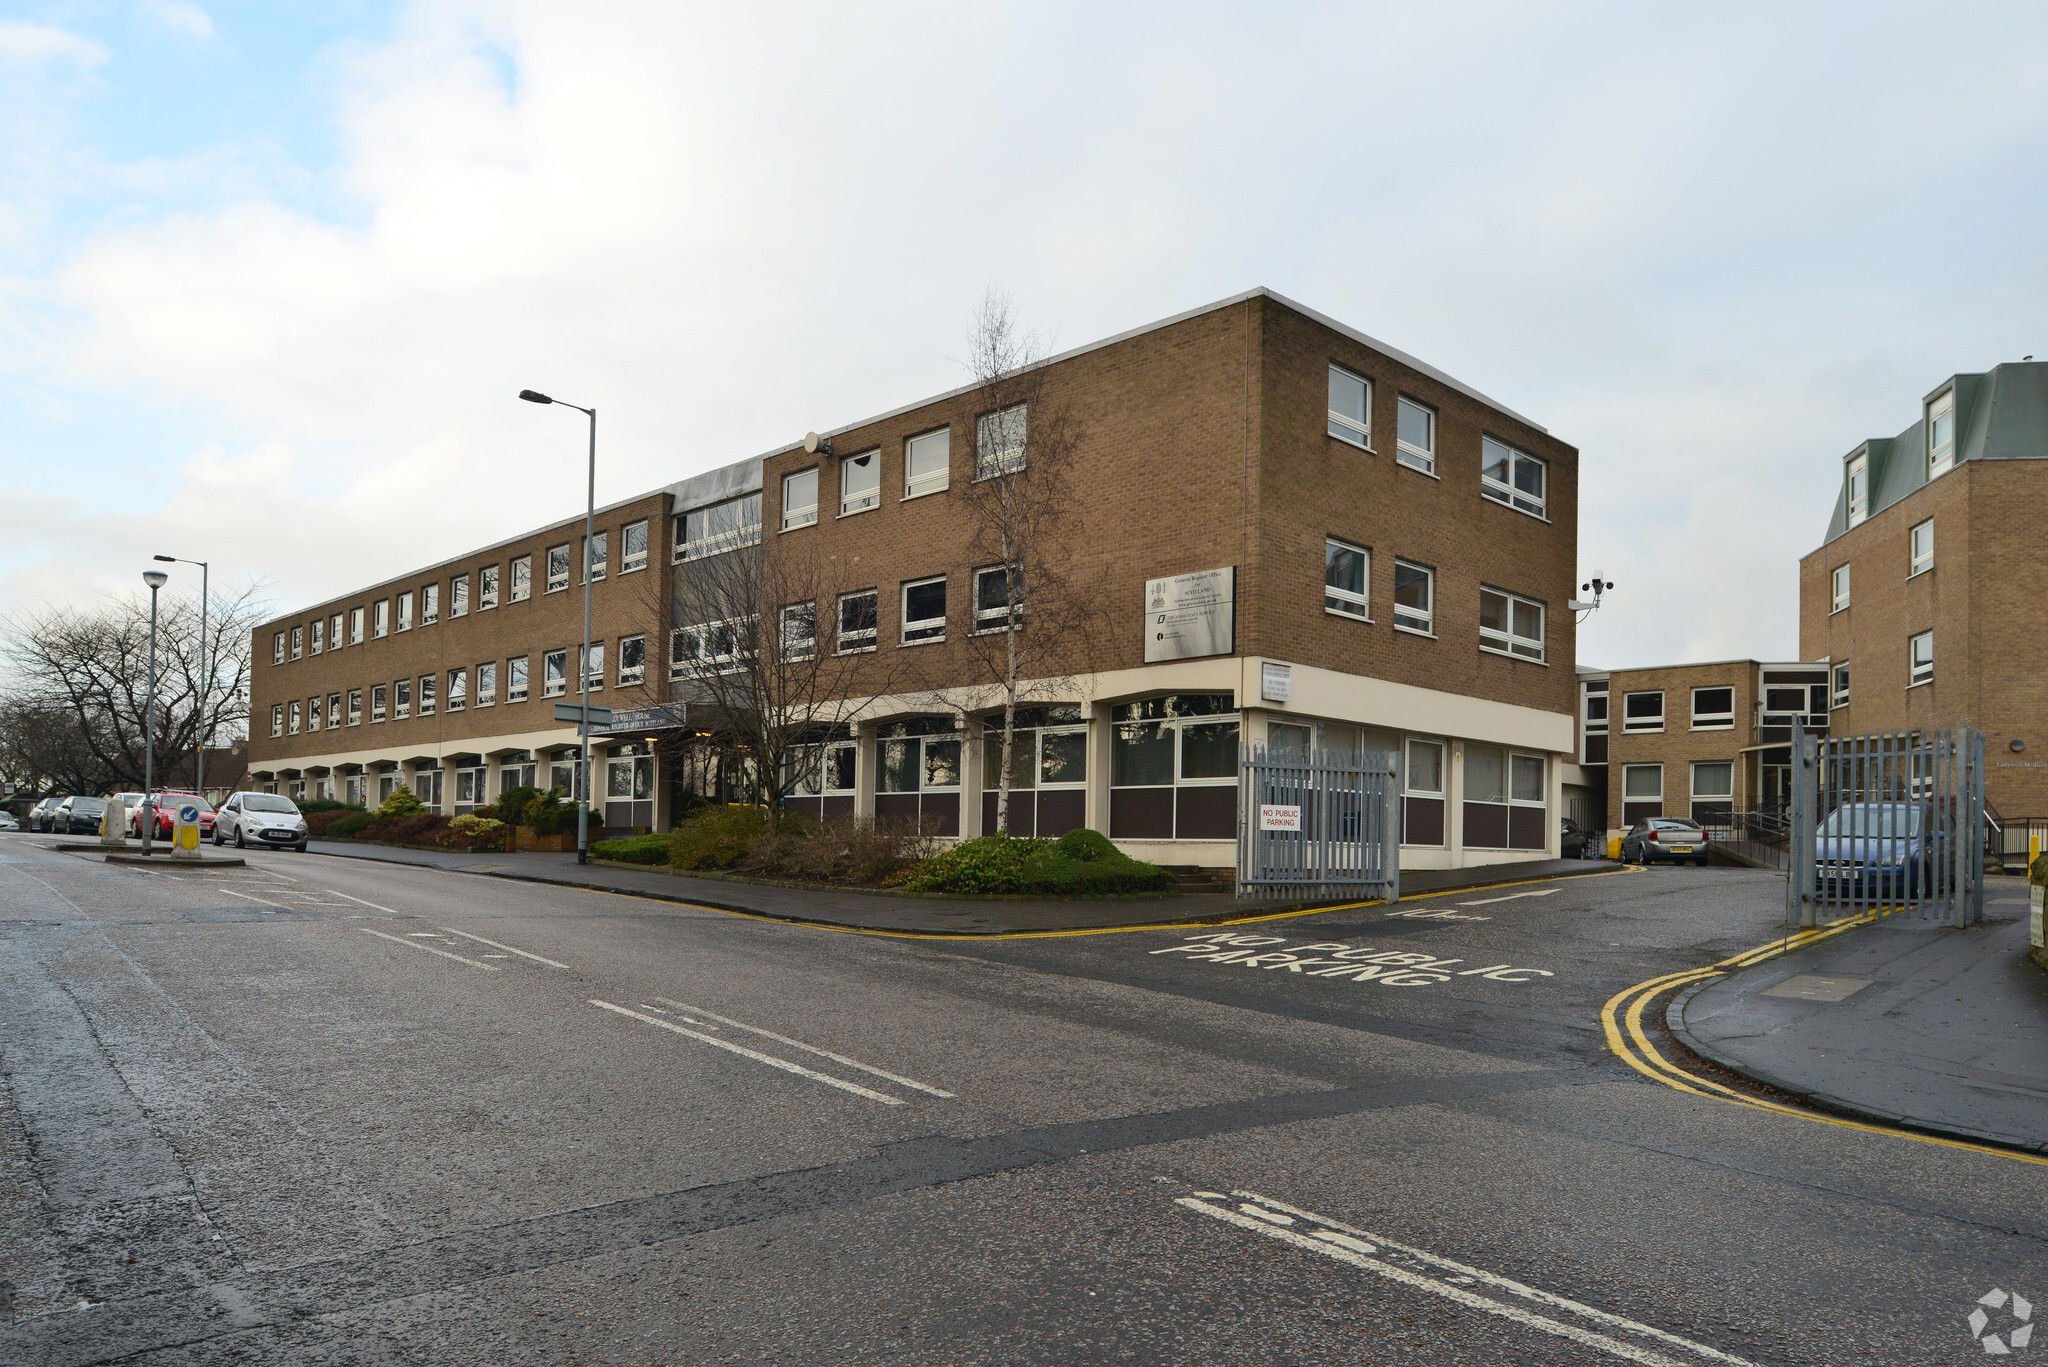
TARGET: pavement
(1901,1021)
(862,909)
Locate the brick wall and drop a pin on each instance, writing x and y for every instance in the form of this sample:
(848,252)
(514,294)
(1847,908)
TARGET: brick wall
(1678,746)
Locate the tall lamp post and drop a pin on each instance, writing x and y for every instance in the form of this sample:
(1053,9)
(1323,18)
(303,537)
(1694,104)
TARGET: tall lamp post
(583,662)
(155,579)
(205,673)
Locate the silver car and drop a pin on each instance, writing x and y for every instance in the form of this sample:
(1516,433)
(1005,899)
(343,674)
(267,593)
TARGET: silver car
(260,819)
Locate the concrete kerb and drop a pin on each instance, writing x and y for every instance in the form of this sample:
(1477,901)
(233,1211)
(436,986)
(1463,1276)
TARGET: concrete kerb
(164,861)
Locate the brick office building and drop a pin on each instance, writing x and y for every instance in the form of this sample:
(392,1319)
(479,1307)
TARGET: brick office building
(1926,593)
(1381,554)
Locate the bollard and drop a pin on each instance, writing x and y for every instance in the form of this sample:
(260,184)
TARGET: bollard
(185,832)
(114,824)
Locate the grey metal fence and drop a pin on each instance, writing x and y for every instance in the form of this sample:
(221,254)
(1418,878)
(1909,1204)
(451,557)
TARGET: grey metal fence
(1327,824)
(1757,838)
(1893,820)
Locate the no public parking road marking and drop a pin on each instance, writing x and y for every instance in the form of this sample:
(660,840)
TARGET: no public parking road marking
(1358,963)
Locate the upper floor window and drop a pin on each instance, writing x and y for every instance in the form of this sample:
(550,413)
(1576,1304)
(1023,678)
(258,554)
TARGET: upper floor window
(277,649)
(487,683)
(515,679)
(380,624)
(427,695)
(718,528)
(800,499)
(1922,659)
(1415,443)
(924,610)
(554,674)
(597,555)
(860,482)
(1941,434)
(1841,587)
(1840,696)
(634,545)
(522,578)
(405,611)
(458,596)
(276,719)
(593,667)
(1642,711)
(401,699)
(1858,485)
(1414,597)
(995,598)
(927,462)
(298,642)
(1510,624)
(799,631)
(1350,407)
(458,689)
(1713,709)
(1346,569)
(999,440)
(1513,477)
(632,660)
(334,632)
(857,613)
(430,604)
(319,630)
(709,648)
(558,568)
(1922,542)
(355,707)
(378,694)
(487,587)
(355,626)
(292,715)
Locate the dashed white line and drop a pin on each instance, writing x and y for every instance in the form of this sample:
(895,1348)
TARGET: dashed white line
(755,1055)
(396,940)
(808,1048)
(507,948)
(371,905)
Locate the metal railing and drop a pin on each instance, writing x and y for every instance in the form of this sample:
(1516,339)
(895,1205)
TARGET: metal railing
(1324,825)
(1760,838)
(2010,840)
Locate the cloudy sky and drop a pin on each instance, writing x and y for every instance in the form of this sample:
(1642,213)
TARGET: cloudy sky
(271,273)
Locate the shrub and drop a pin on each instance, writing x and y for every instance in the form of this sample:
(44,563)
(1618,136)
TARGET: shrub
(1081,863)
(320,825)
(473,832)
(1084,844)
(2039,872)
(719,838)
(347,826)
(327,804)
(512,805)
(976,868)
(402,801)
(634,849)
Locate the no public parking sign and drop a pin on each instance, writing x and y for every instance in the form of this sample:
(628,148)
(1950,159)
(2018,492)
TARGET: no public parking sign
(1279,818)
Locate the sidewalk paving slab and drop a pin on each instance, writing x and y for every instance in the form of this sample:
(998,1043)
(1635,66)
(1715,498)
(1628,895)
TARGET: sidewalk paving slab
(864,909)
(1901,1021)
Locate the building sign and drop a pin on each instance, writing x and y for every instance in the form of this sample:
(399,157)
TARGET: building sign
(1279,818)
(1191,615)
(1276,682)
(638,721)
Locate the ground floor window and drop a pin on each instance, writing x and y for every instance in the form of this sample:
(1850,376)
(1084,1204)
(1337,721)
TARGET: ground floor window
(1173,768)
(1506,798)
(515,770)
(917,774)
(566,773)
(822,778)
(1642,792)
(1048,770)
(355,788)
(1422,795)
(427,784)
(471,787)
(1713,791)
(629,787)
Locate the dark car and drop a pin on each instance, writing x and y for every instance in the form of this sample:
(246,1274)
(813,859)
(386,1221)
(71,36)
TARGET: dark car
(1665,838)
(78,816)
(1883,847)
(1576,842)
(167,805)
(39,815)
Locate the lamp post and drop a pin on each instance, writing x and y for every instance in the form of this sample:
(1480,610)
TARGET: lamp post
(205,674)
(583,662)
(155,579)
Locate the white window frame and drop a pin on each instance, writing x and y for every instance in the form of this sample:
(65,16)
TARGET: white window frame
(334,632)
(355,626)
(429,691)
(597,556)
(458,596)
(298,642)
(1941,455)
(355,707)
(401,699)
(852,643)
(1408,770)
(518,677)
(316,636)
(795,646)
(457,697)
(804,515)
(1001,440)
(593,668)
(1354,604)
(744,531)
(1407,453)
(558,583)
(631,560)
(692,649)
(1920,548)
(1423,622)
(1694,779)
(868,462)
(314,715)
(1511,494)
(277,649)
(1628,797)
(997,618)
(1856,489)
(1510,642)
(923,630)
(404,613)
(380,702)
(1919,662)
(1713,721)
(487,683)
(522,577)
(1838,588)
(922,446)
(380,619)
(1838,685)
(630,674)
(276,720)
(1630,724)
(554,674)
(430,604)
(486,587)
(334,721)
(1343,426)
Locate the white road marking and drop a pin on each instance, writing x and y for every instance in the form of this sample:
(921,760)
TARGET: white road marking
(1383,967)
(1351,1244)
(371,905)
(273,873)
(396,940)
(247,898)
(745,1052)
(1489,901)
(808,1048)
(507,948)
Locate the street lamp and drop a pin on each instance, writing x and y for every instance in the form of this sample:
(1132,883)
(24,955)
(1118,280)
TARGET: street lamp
(583,662)
(205,672)
(156,580)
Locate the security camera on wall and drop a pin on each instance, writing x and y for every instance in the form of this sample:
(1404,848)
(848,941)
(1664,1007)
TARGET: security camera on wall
(1595,586)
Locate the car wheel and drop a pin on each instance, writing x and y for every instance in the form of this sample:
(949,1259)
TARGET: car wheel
(240,843)
(217,841)
(300,847)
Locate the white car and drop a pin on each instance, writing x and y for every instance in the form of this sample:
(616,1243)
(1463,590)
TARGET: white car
(260,819)
(8,823)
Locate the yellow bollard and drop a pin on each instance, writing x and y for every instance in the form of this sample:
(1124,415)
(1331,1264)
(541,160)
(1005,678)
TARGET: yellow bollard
(1614,847)
(2033,847)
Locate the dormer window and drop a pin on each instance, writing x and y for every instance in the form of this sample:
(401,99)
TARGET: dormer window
(1941,434)
(1859,487)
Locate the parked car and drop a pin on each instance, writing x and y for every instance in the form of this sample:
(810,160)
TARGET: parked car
(1883,847)
(1576,842)
(1665,837)
(39,815)
(79,816)
(8,823)
(262,819)
(167,805)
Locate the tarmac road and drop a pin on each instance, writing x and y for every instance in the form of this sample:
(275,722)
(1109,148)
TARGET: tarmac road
(324,1110)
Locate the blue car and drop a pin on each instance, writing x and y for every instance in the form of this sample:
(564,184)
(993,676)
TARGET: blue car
(1884,848)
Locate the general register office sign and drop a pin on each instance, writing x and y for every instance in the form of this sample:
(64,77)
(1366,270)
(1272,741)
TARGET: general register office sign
(1191,615)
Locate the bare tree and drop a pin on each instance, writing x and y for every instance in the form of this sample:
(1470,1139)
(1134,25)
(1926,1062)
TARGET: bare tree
(87,670)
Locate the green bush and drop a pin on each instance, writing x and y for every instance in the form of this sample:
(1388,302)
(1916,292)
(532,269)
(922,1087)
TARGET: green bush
(977,868)
(328,804)
(348,827)
(1084,844)
(471,831)
(2039,872)
(718,838)
(402,802)
(1081,863)
(633,849)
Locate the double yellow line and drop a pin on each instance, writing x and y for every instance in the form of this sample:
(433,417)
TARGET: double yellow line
(1622,1019)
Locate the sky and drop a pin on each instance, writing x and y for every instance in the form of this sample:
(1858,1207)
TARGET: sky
(271,274)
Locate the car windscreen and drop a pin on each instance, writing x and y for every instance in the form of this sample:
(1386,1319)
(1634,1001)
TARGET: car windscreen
(83,804)
(1880,822)
(268,802)
(1674,825)
(170,802)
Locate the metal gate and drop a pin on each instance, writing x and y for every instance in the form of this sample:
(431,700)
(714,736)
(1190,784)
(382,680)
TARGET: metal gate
(1327,825)
(1892,821)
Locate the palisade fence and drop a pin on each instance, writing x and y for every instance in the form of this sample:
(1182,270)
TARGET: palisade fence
(1323,825)
(1889,821)
(1758,838)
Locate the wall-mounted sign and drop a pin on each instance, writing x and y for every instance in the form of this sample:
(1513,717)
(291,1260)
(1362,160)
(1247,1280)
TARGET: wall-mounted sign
(1191,615)
(1276,682)
(1279,818)
(636,721)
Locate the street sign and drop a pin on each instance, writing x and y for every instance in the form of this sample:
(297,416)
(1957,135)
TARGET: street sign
(1279,817)
(571,714)
(634,721)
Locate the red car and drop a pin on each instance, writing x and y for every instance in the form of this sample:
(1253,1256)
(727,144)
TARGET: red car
(167,805)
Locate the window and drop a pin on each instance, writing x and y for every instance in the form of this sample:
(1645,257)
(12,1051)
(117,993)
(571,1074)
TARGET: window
(1425,768)
(924,610)
(355,707)
(1346,569)
(1170,741)
(319,636)
(708,648)
(380,619)
(720,527)
(378,692)
(1350,407)
(334,711)
(430,604)
(634,543)
(1858,488)
(857,613)
(458,689)
(632,660)
(1642,782)
(593,668)
(1528,779)
(487,587)
(1642,712)
(458,596)
(1422,794)
(298,642)
(1513,477)
(334,632)
(558,568)
(993,599)
(1922,654)
(1713,709)
(800,499)
(487,684)
(999,443)
(1922,542)
(1594,722)
(860,482)
(515,680)
(522,578)
(401,699)
(1713,790)
(276,719)
(277,649)
(355,626)
(597,555)
(1841,588)
(1414,595)
(405,611)
(1941,434)
(554,674)
(1510,624)
(927,461)
(1840,692)
(1415,442)
(427,695)
(799,631)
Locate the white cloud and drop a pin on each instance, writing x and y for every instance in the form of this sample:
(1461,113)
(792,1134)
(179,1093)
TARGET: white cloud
(24,44)
(178,16)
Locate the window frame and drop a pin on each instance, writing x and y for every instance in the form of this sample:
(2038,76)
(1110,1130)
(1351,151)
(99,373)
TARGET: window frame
(1693,780)
(1510,637)
(630,560)
(991,619)
(741,534)
(276,720)
(1838,685)
(334,722)
(521,588)
(559,583)
(927,633)
(793,652)
(1408,788)
(1343,426)
(355,707)
(1918,673)
(316,635)
(851,504)
(518,678)
(298,643)
(1941,456)
(1856,490)
(1334,596)
(807,516)
(486,587)
(277,648)
(380,702)
(404,612)
(430,603)
(1839,588)
(1511,494)
(486,683)
(631,675)
(863,640)
(401,699)
(1917,561)
(380,619)
(701,660)
(1628,797)
(1714,721)
(427,695)
(1628,722)
(593,670)
(934,482)
(597,556)
(455,698)
(334,632)
(1405,452)
(458,595)
(554,673)
(1010,458)
(1428,615)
